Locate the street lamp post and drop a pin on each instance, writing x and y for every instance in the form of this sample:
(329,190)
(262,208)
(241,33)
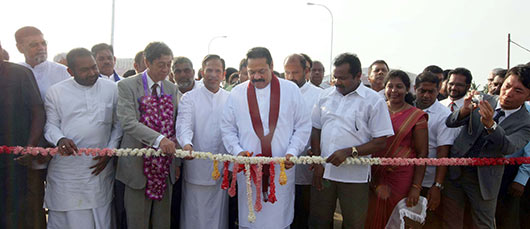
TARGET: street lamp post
(112,23)
(331,42)
(211,40)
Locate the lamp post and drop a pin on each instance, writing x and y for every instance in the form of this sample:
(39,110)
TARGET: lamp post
(211,40)
(112,23)
(331,42)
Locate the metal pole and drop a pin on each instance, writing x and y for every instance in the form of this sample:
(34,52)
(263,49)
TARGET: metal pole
(112,25)
(509,41)
(211,40)
(331,42)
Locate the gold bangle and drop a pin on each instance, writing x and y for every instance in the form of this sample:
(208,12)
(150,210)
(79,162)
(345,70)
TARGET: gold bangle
(417,186)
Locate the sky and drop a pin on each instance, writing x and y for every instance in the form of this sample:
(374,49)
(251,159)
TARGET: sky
(407,34)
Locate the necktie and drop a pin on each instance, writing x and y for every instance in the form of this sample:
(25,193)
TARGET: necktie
(153,90)
(500,113)
(452,106)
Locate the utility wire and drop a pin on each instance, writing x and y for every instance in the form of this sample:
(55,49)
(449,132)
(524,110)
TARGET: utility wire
(520,46)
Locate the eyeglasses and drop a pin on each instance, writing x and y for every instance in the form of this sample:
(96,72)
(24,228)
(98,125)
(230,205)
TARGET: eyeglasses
(178,71)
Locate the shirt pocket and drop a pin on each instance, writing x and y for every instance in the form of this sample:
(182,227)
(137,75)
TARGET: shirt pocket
(104,113)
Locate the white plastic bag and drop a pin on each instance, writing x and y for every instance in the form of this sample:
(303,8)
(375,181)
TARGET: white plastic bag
(416,213)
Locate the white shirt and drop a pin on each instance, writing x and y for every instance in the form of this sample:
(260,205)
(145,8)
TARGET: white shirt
(310,93)
(47,74)
(506,112)
(459,102)
(290,137)
(87,116)
(346,121)
(111,77)
(199,124)
(382,93)
(439,135)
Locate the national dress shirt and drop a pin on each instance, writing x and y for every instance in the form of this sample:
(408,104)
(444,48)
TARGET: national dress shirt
(47,74)
(350,120)
(199,124)
(87,116)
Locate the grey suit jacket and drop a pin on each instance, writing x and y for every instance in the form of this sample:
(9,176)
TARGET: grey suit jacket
(135,134)
(511,135)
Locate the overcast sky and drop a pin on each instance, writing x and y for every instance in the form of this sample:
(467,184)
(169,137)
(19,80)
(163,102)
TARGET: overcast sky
(409,35)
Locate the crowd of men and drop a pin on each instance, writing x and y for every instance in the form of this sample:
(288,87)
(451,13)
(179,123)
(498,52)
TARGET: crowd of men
(252,111)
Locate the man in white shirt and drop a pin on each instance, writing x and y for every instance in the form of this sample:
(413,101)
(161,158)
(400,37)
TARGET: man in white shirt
(457,87)
(106,61)
(376,75)
(297,70)
(184,73)
(441,139)
(81,113)
(317,73)
(31,43)
(349,120)
(204,203)
(266,115)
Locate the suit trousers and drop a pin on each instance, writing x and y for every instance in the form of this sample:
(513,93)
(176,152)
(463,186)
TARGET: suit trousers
(455,195)
(353,200)
(144,213)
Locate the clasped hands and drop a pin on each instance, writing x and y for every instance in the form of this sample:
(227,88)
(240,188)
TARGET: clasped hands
(485,110)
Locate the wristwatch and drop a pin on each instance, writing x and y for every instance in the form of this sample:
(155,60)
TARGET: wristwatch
(354,152)
(492,128)
(438,185)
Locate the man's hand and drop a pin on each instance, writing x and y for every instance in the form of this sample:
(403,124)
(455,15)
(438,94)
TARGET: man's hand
(339,156)
(309,152)
(188,147)
(24,160)
(516,189)
(468,106)
(318,173)
(413,197)
(288,164)
(245,154)
(486,114)
(433,198)
(100,166)
(167,146)
(66,147)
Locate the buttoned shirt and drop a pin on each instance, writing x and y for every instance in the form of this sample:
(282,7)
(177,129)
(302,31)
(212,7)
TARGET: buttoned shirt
(439,135)
(459,102)
(47,74)
(87,116)
(310,93)
(350,120)
(199,124)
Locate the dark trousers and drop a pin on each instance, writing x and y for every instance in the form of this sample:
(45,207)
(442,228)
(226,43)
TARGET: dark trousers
(119,207)
(302,200)
(176,201)
(457,192)
(353,200)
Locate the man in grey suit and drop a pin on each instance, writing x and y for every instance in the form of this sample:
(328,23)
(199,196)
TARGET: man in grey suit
(143,209)
(500,126)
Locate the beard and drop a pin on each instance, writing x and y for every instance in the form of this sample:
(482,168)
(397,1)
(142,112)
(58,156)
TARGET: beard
(185,83)
(39,58)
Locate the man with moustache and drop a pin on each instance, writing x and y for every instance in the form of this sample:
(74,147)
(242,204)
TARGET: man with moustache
(457,86)
(349,120)
(81,113)
(498,127)
(31,43)
(106,61)
(376,75)
(267,116)
(496,84)
(317,73)
(148,205)
(183,74)
(204,203)
(441,139)
(296,69)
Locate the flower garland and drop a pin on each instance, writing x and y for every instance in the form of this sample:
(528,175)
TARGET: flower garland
(215,172)
(272,186)
(255,160)
(251,215)
(157,114)
(283,176)
(259,174)
(232,190)
(224,184)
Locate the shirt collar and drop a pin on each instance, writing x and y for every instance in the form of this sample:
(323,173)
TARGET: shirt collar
(506,112)
(150,82)
(37,67)
(361,91)
(305,87)
(432,109)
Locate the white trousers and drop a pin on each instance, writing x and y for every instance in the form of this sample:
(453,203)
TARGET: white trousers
(99,218)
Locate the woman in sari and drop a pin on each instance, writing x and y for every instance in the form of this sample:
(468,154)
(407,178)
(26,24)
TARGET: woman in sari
(390,184)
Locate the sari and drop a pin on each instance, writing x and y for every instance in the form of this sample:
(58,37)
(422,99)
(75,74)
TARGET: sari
(395,181)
